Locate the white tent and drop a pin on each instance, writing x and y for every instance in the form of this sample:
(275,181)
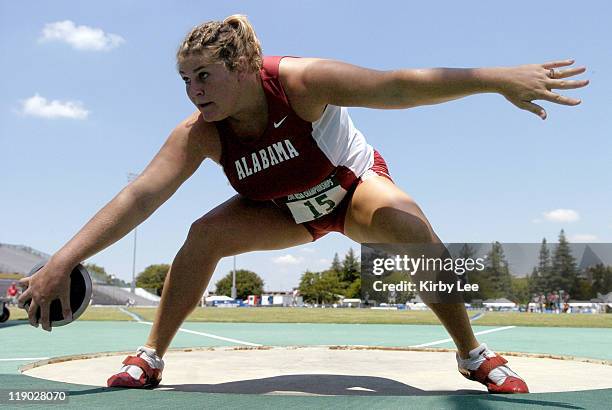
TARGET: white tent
(581,303)
(218,298)
(350,302)
(416,304)
(499,303)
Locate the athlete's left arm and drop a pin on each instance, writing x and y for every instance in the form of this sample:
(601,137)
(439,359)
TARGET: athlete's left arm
(338,83)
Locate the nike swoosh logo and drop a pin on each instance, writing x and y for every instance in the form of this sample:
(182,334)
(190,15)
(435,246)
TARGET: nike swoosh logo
(278,124)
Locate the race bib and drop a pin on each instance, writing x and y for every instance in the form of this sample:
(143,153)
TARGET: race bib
(316,202)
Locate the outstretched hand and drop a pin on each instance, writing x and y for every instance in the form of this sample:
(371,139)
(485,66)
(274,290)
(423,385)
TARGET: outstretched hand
(523,84)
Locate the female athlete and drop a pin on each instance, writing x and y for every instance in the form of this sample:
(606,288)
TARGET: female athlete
(280,130)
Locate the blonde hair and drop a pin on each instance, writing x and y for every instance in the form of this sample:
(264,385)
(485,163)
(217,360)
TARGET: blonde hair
(226,40)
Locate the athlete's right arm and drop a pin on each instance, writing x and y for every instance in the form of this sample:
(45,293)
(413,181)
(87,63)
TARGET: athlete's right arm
(179,157)
(184,150)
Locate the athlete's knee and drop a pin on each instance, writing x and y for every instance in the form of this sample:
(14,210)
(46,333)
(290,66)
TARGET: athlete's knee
(213,235)
(403,221)
(403,227)
(206,238)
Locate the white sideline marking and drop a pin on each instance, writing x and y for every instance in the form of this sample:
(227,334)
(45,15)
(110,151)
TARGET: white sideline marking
(130,314)
(484,332)
(21,359)
(476,316)
(227,339)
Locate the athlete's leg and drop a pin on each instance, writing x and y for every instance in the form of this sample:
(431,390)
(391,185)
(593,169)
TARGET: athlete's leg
(380,212)
(236,226)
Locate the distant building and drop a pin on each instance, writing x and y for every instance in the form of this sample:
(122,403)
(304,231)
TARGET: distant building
(19,258)
(281,298)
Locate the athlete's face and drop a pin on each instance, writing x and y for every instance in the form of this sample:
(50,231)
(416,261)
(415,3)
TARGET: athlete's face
(210,86)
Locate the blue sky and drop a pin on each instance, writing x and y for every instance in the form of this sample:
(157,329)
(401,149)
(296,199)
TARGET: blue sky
(77,114)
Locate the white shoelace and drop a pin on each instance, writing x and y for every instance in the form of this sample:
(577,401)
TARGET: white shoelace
(479,355)
(149,356)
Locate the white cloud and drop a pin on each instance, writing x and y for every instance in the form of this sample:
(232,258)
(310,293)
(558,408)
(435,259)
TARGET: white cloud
(80,37)
(287,260)
(583,237)
(38,106)
(562,215)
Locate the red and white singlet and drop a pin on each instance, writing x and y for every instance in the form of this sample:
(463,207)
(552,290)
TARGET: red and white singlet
(307,167)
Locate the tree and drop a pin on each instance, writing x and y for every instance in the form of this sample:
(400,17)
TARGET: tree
(153,277)
(336,266)
(353,290)
(542,274)
(520,290)
(308,287)
(247,283)
(602,279)
(564,274)
(340,279)
(466,252)
(470,276)
(495,280)
(320,287)
(498,272)
(330,286)
(582,290)
(534,281)
(485,286)
(99,274)
(350,268)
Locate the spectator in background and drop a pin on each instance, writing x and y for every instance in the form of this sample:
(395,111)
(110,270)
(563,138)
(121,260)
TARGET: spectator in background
(12,293)
(566,298)
(534,306)
(550,304)
(294,296)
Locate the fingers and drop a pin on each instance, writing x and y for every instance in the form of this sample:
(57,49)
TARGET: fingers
(66,310)
(570,72)
(559,63)
(567,85)
(559,99)
(32,313)
(25,282)
(25,296)
(531,107)
(44,316)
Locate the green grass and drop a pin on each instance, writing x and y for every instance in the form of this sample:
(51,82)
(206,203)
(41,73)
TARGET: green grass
(301,315)
(92,313)
(545,320)
(366,316)
(304,315)
(14,276)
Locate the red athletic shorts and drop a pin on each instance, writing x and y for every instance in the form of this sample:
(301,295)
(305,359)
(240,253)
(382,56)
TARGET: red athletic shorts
(334,222)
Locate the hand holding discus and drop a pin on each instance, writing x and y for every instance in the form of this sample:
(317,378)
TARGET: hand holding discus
(55,296)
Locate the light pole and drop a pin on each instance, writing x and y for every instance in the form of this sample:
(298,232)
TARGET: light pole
(131,177)
(234,293)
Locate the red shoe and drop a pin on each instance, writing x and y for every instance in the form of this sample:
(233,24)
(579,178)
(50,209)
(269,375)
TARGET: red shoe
(149,377)
(491,371)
